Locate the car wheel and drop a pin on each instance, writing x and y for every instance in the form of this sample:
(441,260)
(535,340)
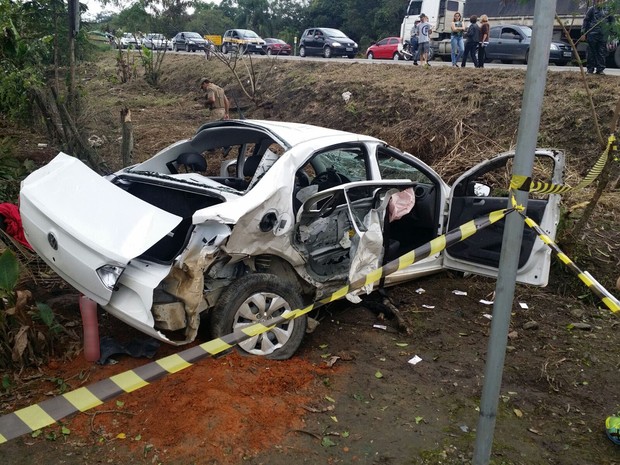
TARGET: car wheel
(187,47)
(243,50)
(327,52)
(255,298)
(527,56)
(370,56)
(396,56)
(268,52)
(174,48)
(302,51)
(224,49)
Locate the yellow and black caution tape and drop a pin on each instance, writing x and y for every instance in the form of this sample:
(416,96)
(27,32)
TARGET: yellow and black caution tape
(606,297)
(48,412)
(526,184)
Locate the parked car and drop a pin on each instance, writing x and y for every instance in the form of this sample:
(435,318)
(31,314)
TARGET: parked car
(509,43)
(155,41)
(128,40)
(327,42)
(389,48)
(277,47)
(188,41)
(292,213)
(242,41)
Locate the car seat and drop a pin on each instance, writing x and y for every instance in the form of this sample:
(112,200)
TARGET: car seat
(192,161)
(251,165)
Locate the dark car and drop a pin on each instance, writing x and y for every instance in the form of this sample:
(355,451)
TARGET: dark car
(188,41)
(326,42)
(389,48)
(512,42)
(277,47)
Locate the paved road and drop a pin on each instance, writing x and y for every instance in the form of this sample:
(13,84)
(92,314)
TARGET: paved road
(434,63)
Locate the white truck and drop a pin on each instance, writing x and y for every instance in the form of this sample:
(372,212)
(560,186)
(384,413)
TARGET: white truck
(441,12)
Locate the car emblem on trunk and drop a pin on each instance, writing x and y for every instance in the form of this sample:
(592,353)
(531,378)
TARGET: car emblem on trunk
(52,241)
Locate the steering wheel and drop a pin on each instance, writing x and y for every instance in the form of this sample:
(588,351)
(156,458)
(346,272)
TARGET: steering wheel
(327,179)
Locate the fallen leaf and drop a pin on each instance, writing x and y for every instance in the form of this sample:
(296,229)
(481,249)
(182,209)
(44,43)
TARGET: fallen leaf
(518,413)
(121,436)
(326,442)
(66,431)
(334,418)
(323,346)
(418,420)
(330,399)
(378,375)
(401,344)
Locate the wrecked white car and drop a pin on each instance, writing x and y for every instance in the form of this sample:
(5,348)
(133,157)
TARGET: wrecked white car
(248,219)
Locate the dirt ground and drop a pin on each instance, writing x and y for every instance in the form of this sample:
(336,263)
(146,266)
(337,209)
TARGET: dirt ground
(350,394)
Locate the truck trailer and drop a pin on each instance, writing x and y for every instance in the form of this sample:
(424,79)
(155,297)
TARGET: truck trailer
(441,12)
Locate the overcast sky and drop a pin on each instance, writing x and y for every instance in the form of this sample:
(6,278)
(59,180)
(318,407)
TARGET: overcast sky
(95,7)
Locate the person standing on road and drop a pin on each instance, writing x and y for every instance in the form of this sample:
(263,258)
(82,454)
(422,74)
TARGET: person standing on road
(413,43)
(472,38)
(593,30)
(457,48)
(215,99)
(424,39)
(485,29)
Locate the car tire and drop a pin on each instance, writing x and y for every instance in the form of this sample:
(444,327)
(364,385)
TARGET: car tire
(174,48)
(243,50)
(302,51)
(187,47)
(527,56)
(224,49)
(269,52)
(254,298)
(351,56)
(370,56)
(327,52)
(396,56)
(506,62)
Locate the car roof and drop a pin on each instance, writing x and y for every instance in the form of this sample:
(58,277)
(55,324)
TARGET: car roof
(291,133)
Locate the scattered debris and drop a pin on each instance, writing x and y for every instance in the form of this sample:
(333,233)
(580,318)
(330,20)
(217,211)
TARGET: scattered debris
(583,326)
(420,291)
(332,361)
(383,327)
(530,325)
(428,306)
(415,360)
(486,302)
(346,96)
(457,292)
(464,428)
(523,305)
(488,316)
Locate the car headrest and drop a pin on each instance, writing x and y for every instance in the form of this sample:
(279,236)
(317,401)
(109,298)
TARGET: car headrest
(250,165)
(193,161)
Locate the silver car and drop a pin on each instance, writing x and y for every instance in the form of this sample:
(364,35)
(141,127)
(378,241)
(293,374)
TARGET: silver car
(249,219)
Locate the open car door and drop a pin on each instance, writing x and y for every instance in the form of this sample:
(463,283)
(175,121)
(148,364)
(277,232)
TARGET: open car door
(485,188)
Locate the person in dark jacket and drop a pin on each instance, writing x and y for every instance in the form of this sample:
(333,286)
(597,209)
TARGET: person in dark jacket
(472,38)
(594,30)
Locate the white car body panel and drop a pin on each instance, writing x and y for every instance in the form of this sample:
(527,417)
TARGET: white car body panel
(94,222)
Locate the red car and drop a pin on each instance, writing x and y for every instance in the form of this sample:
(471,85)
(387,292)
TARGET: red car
(388,49)
(277,47)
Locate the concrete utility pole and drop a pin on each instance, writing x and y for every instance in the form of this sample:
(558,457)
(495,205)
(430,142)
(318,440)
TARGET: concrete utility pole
(535,80)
